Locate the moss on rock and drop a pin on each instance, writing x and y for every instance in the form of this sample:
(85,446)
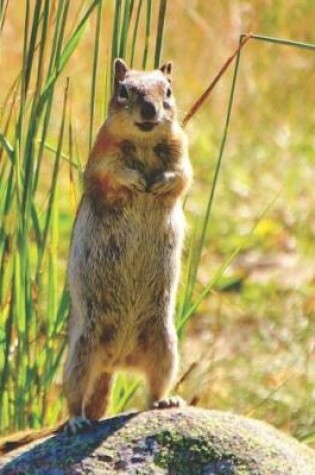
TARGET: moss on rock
(174,441)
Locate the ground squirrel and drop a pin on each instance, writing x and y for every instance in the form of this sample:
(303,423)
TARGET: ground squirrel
(126,247)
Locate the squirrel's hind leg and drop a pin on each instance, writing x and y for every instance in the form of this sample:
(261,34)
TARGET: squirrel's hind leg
(161,374)
(96,404)
(86,386)
(93,408)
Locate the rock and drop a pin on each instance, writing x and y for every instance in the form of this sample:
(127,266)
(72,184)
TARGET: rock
(173,441)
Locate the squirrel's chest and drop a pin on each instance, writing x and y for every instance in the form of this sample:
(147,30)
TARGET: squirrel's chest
(142,230)
(149,159)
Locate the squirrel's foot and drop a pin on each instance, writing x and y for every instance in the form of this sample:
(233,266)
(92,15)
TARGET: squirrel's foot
(77,425)
(172,401)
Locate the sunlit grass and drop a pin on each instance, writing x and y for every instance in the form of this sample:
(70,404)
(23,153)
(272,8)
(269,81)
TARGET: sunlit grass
(271,390)
(38,147)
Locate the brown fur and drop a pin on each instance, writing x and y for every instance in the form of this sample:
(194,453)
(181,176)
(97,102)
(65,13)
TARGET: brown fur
(126,247)
(125,254)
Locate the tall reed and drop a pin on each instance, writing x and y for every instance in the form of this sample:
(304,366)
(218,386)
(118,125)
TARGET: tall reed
(38,146)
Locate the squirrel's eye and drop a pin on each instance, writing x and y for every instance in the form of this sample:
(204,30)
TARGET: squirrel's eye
(123,93)
(169,92)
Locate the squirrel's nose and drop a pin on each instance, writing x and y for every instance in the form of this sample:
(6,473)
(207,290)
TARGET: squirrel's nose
(148,110)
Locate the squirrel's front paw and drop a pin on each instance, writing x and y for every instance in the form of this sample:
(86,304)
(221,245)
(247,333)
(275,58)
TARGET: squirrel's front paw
(132,179)
(164,183)
(136,181)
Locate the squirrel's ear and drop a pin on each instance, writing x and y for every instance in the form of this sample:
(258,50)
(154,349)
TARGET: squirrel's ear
(120,69)
(167,69)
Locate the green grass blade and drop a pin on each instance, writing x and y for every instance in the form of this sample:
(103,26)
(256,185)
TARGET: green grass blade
(160,33)
(116,35)
(3,11)
(55,172)
(147,33)
(32,44)
(135,32)
(124,388)
(125,28)
(97,40)
(283,42)
(7,146)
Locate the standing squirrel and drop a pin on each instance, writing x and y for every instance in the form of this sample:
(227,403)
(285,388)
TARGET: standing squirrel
(126,249)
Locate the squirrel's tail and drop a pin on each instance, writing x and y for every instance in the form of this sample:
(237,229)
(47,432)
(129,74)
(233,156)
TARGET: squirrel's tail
(19,439)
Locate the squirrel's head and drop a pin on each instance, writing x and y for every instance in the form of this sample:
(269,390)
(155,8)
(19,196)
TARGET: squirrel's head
(142,100)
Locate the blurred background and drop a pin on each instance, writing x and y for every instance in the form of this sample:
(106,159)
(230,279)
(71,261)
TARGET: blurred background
(248,346)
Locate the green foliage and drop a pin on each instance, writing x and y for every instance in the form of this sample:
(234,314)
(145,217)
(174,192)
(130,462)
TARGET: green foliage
(37,147)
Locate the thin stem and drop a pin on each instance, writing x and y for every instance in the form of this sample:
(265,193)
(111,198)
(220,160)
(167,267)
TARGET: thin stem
(281,41)
(160,33)
(94,72)
(216,176)
(147,34)
(200,101)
